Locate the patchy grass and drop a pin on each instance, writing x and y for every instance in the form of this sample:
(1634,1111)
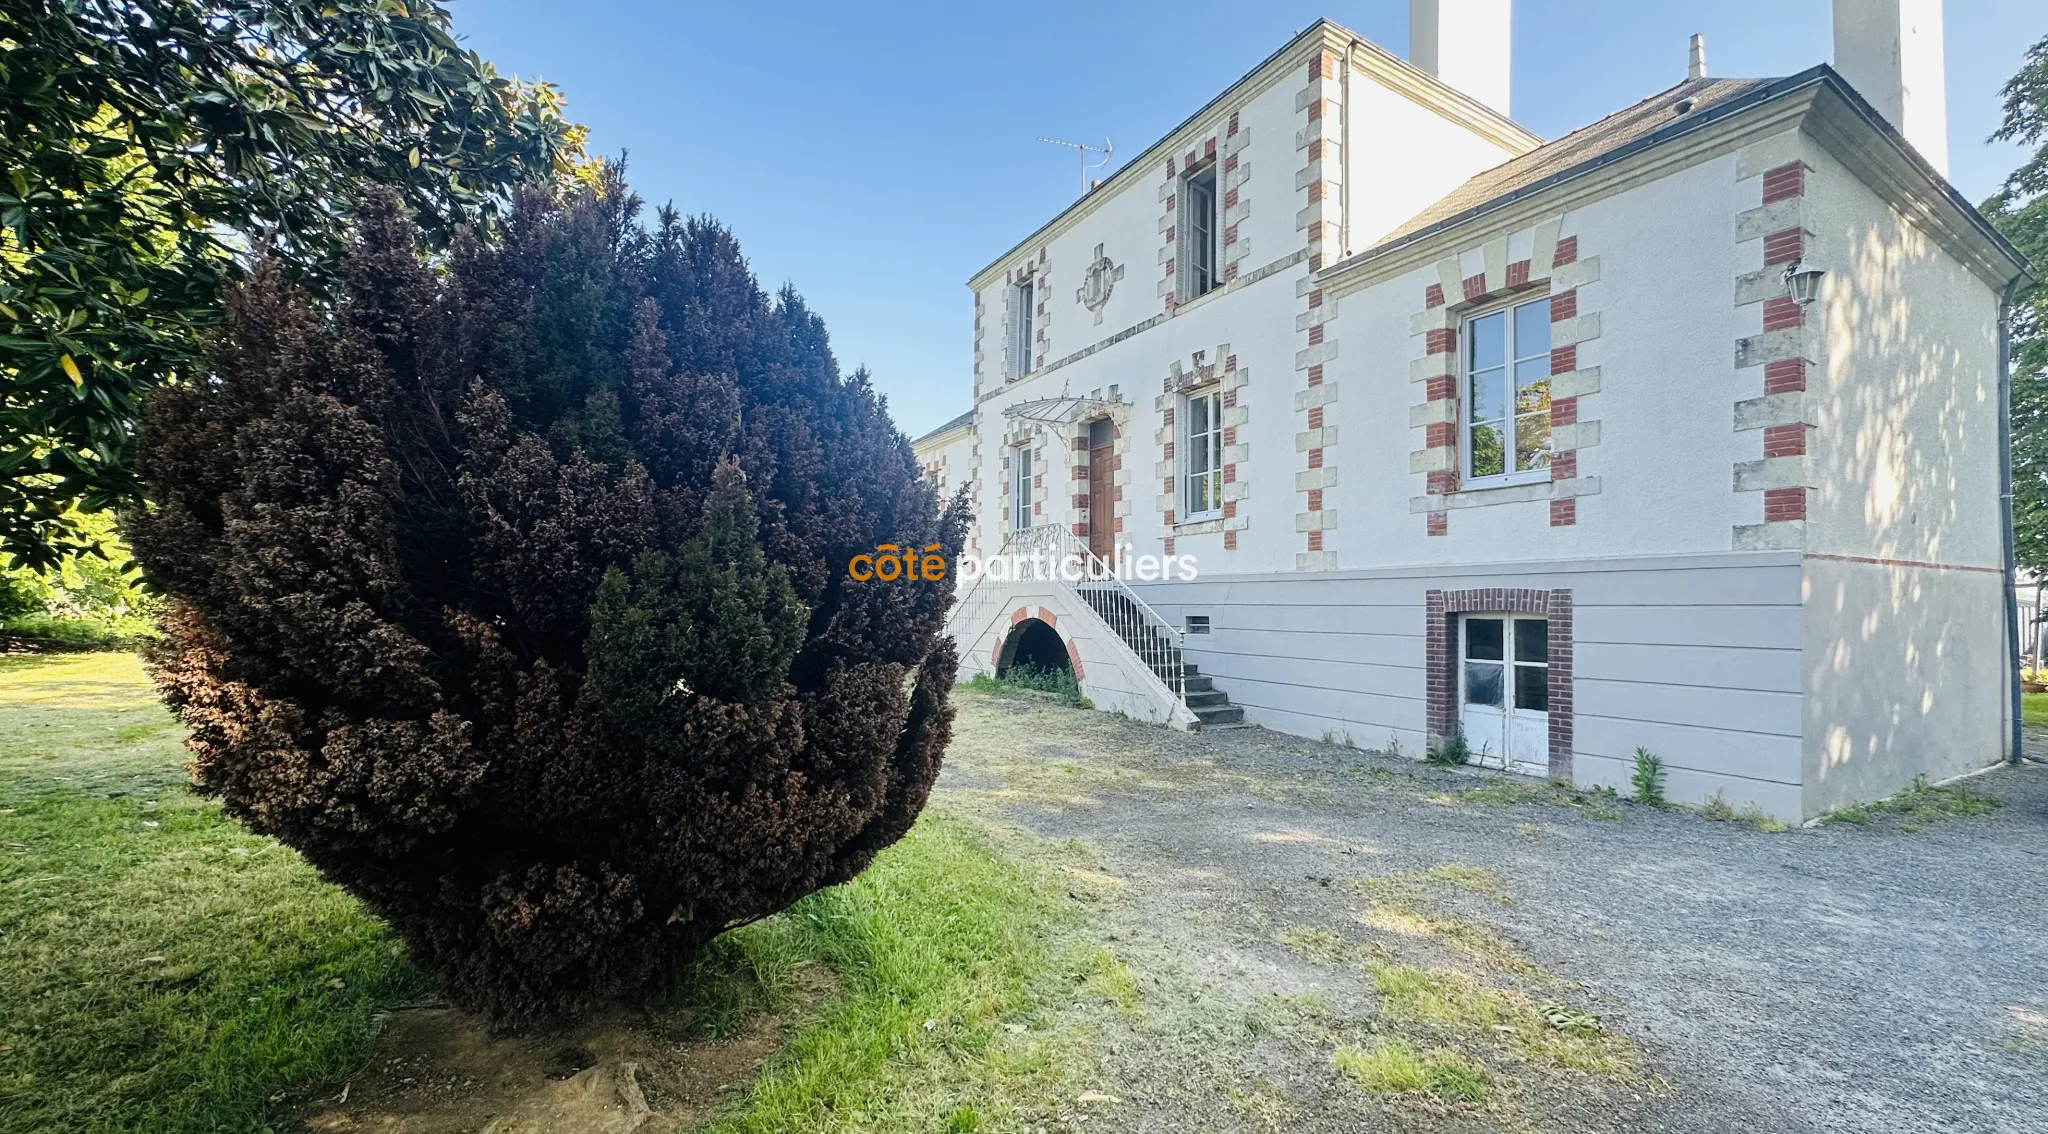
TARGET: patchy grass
(1919,806)
(163,969)
(1721,811)
(1470,938)
(1113,981)
(944,948)
(1407,886)
(1395,1066)
(1459,1005)
(1024,754)
(1451,1005)
(1319,945)
(1395,904)
(1030,680)
(1482,1014)
(1505,792)
(1445,998)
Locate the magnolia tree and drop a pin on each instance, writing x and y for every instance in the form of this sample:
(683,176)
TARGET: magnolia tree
(514,595)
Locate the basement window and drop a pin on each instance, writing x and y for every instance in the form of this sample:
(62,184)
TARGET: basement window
(1198,624)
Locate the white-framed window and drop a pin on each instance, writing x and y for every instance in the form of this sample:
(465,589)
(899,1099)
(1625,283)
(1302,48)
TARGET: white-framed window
(1201,454)
(1023,304)
(1507,393)
(1020,488)
(1507,661)
(1200,211)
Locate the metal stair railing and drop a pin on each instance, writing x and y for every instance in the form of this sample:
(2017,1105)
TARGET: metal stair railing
(971,611)
(1157,643)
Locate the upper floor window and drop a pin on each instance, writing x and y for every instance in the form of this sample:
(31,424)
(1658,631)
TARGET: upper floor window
(1507,392)
(1199,212)
(1020,488)
(1202,454)
(1023,303)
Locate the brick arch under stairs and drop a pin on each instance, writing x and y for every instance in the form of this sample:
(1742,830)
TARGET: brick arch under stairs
(1110,675)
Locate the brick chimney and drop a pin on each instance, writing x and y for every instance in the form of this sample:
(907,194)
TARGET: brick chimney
(1890,51)
(1465,44)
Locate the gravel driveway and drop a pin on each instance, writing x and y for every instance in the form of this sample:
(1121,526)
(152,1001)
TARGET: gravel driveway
(1836,978)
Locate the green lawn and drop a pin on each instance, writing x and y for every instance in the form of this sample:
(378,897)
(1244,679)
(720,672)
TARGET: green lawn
(2034,709)
(162,970)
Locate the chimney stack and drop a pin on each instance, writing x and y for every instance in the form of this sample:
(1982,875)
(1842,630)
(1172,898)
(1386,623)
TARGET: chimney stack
(1464,43)
(1890,51)
(1696,58)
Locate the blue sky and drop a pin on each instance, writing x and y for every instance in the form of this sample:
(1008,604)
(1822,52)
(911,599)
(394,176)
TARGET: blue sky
(877,154)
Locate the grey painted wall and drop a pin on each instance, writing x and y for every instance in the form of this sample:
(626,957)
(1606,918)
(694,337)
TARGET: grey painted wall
(1695,657)
(1906,675)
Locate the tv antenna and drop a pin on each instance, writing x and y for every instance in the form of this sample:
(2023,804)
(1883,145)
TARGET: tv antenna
(1082,152)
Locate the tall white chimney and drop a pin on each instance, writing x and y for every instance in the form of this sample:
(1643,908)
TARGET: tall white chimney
(1464,43)
(1890,51)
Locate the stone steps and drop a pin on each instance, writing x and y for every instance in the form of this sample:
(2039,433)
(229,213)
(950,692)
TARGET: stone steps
(1211,706)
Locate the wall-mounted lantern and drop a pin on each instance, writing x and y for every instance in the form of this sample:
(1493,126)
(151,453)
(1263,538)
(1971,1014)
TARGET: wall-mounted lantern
(1802,283)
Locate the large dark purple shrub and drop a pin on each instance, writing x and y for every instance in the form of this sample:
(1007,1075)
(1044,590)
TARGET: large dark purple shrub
(513,594)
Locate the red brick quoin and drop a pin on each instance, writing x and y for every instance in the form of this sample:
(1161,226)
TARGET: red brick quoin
(1441,657)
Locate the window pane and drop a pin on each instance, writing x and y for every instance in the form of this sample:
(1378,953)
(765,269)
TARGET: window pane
(1532,329)
(1482,683)
(1532,640)
(1023,490)
(1532,688)
(1532,442)
(1489,400)
(1486,349)
(1532,379)
(1483,639)
(1489,457)
(1201,221)
(1022,347)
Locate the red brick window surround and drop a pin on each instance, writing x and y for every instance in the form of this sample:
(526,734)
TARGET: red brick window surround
(1441,657)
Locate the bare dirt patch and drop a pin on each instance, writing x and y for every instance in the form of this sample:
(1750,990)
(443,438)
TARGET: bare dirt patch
(440,1071)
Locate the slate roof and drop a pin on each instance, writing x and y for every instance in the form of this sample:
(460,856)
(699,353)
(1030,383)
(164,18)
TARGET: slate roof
(956,423)
(1587,143)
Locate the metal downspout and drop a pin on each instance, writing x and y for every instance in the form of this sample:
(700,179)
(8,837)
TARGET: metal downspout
(1344,155)
(2012,598)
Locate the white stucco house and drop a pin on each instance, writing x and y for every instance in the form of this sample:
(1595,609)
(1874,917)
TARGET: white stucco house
(1680,432)
(946,455)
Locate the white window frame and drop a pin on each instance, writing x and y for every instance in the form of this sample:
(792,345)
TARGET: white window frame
(1513,356)
(1205,237)
(1021,475)
(1510,664)
(1201,455)
(1023,309)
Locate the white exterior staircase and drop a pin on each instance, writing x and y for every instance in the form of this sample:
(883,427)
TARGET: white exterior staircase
(1127,658)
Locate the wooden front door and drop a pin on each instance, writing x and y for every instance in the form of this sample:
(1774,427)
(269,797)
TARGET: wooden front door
(1101,490)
